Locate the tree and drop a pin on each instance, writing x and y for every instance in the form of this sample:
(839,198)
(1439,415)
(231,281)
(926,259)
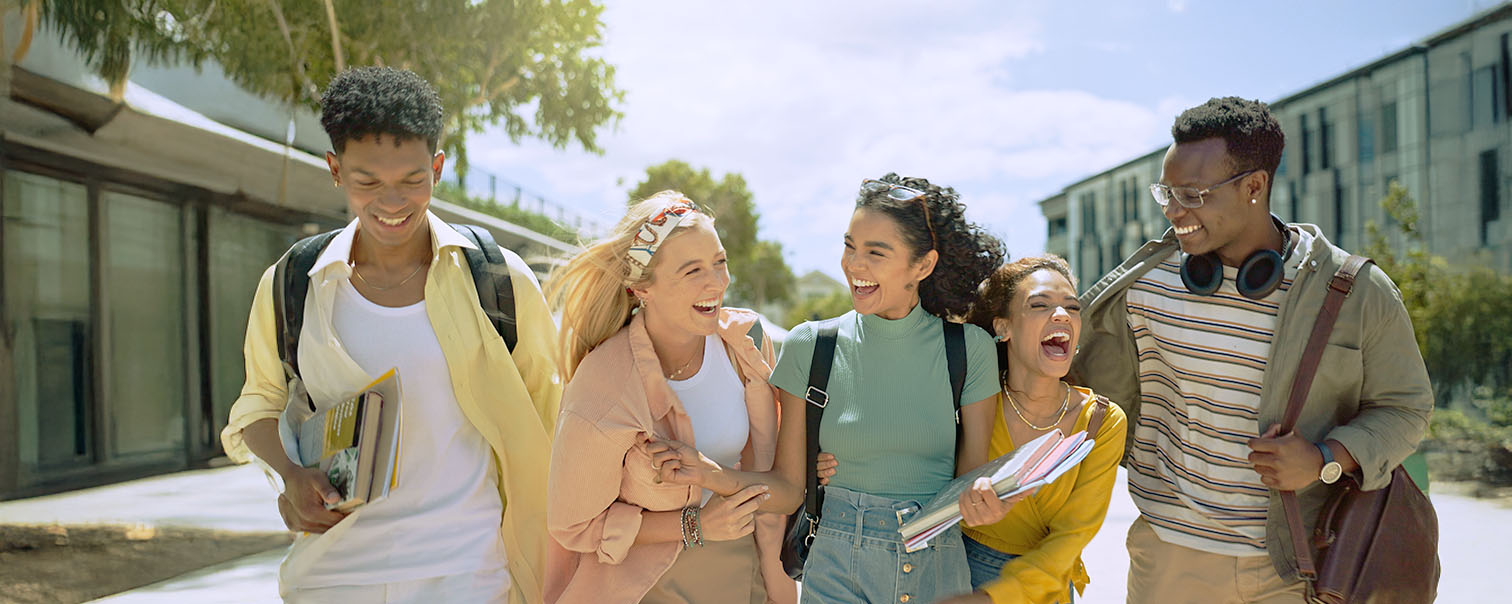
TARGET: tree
(760,275)
(1461,315)
(490,60)
(821,307)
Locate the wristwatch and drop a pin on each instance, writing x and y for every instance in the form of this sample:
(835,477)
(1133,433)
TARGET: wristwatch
(1331,469)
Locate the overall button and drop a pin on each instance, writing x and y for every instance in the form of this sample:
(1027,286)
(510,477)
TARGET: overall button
(907,567)
(905,598)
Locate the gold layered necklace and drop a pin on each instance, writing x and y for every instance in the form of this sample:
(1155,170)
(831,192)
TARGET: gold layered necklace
(1065,405)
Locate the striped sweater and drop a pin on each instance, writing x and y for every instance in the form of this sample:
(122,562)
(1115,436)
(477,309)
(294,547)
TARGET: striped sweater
(1201,361)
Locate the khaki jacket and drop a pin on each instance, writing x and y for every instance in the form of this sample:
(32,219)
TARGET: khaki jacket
(601,482)
(1371,393)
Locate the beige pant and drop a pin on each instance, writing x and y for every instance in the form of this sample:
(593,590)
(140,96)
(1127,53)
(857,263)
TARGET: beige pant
(720,571)
(1162,573)
(482,587)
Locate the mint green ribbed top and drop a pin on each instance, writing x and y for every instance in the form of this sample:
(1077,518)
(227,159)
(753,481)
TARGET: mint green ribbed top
(890,422)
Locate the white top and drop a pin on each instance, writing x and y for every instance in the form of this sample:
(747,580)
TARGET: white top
(714,399)
(1201,363)
(443,517)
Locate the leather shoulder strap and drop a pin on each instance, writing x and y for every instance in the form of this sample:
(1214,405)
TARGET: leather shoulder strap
(818,399)
(1100,406)
(490,273)
(1338,289)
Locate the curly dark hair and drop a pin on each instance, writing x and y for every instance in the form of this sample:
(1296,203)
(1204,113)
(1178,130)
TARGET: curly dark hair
(362,101)
(937,221)
(1253,136)
(998,289)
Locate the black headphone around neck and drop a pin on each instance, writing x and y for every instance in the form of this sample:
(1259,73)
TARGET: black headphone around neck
(1259,274)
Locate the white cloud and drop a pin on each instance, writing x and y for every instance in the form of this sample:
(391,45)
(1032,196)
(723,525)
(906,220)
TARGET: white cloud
(805,100)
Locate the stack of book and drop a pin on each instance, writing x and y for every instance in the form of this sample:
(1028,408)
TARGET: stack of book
(1031,466)
(355,442)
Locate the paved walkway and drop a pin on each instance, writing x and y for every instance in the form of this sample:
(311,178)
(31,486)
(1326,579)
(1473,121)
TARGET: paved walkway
(1475,535)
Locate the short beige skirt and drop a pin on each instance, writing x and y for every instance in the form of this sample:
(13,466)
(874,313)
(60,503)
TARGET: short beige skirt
(720,571)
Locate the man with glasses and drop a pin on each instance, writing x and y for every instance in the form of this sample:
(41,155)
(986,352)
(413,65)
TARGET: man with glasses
(1200,334)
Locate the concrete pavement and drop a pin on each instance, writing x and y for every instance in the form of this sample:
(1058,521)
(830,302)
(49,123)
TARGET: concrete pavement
(1475,536)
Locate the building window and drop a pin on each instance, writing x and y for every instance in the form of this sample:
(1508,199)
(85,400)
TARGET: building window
(144,272)
(1389,127)
(1306,148)
(1325,136)
(48,311)
(241,247)
(1365,127)
(1338,207)
(1057,227)
(1490,192)
(1484,97)
(1281,165)
(1089,214)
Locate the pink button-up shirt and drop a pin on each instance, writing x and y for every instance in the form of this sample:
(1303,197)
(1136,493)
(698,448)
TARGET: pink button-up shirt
(600,481)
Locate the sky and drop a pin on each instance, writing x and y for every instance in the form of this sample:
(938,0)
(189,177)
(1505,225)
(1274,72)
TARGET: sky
(1008,102)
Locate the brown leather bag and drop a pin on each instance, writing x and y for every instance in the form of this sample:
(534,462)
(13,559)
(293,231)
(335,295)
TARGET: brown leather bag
(1372,547)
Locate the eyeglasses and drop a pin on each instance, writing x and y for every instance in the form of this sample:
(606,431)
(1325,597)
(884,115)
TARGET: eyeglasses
(900,193)
(1189,197)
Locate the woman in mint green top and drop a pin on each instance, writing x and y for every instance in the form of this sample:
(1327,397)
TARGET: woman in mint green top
(910,258)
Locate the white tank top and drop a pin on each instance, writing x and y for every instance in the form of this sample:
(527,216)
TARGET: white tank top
(714,399)
(444,517)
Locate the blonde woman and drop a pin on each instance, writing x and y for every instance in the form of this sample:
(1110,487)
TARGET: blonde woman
(651,354)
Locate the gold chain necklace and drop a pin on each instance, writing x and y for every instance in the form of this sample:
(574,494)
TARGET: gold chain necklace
(1065,405)
(680,370)
(370,283)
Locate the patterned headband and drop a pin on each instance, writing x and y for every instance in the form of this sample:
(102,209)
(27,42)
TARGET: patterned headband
(653,233)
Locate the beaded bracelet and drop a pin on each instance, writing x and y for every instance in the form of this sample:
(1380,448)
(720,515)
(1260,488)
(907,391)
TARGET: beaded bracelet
(692,533)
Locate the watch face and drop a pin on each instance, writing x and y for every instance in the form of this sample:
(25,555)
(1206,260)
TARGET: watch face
(1331,472)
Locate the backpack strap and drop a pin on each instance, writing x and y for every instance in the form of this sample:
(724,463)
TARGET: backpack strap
(818,399)
(490,273)
(1100,406)
(291,284)
(955,361)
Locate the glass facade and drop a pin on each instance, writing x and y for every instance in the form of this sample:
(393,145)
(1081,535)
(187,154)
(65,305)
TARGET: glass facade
(48,314)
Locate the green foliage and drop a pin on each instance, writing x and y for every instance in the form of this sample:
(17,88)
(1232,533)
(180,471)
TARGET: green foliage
(529,66)
(759,273)
(1461,316)
(509,212)
(811,309)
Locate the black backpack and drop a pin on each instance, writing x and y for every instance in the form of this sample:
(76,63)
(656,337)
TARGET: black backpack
(291,282)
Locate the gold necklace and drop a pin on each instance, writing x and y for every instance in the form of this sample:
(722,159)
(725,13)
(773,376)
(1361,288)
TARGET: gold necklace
(370,283)
(676,374)
(1065,405)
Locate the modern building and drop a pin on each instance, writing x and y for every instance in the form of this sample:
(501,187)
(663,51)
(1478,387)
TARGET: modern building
(1435,117)
(134,231)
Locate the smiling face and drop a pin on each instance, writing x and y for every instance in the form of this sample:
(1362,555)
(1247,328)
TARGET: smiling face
(387,185)
(879,266)
(1227,222)
(688,282)
(1043,325)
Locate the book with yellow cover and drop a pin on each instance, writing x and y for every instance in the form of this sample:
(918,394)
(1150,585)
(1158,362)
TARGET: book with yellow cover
(355,442)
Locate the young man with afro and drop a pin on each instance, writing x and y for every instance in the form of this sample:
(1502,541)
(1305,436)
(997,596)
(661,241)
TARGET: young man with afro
(393,289)
(1201,333)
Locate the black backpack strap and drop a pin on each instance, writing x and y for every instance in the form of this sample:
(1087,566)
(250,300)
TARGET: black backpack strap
(490,273)
(818,399)
(955,361)
(291,283)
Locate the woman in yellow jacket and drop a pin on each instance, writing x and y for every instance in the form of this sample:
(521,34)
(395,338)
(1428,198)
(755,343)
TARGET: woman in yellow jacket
(1029,549)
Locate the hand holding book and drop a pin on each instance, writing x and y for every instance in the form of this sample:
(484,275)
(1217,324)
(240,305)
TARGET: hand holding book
(981,506)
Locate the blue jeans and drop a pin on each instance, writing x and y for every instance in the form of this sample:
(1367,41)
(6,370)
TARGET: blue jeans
(987,564)
(858,555)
